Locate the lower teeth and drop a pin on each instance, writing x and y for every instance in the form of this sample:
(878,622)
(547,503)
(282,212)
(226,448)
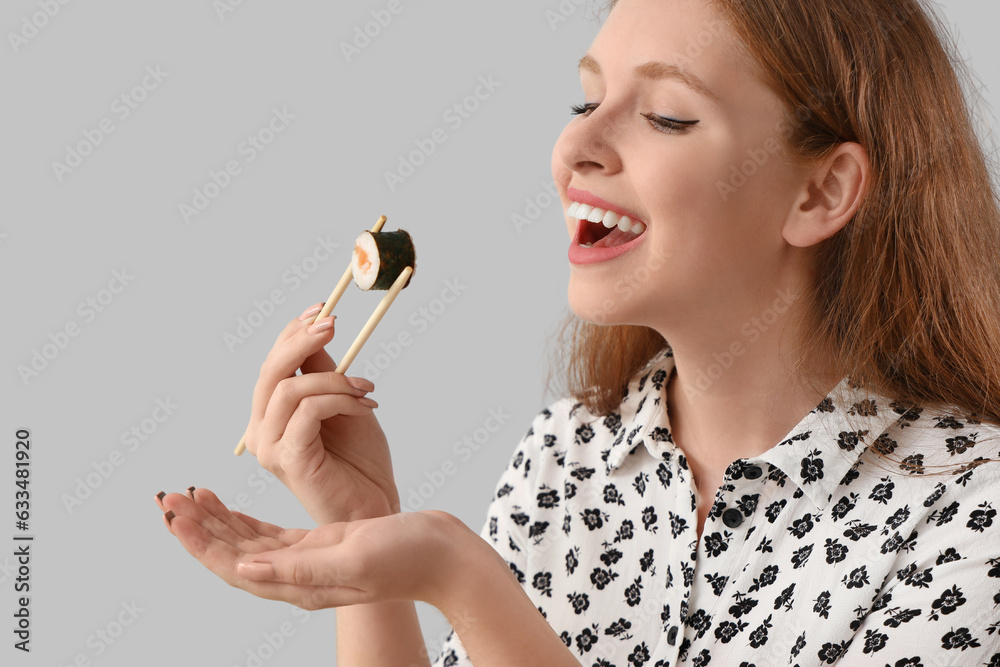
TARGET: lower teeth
(586,245)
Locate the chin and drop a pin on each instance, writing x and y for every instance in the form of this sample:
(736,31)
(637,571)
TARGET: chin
(596,306)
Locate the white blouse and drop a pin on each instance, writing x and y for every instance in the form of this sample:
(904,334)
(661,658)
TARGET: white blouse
(817,552)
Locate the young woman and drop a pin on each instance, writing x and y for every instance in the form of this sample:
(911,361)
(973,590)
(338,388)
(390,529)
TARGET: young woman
(777,444)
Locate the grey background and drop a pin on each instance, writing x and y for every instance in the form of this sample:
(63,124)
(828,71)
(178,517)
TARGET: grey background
(162,336)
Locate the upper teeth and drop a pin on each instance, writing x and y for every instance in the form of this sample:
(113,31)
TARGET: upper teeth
(608,218)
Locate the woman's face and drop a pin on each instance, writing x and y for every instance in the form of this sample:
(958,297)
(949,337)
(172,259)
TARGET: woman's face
(711,195)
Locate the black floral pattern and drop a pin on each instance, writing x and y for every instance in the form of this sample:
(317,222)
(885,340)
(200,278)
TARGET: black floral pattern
(823,554)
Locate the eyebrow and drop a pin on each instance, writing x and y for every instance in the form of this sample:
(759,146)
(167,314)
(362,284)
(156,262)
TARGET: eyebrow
(654,71)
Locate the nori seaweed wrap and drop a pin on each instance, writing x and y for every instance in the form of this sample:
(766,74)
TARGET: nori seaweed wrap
(379,258)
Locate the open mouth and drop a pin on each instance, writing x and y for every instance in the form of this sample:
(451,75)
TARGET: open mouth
(600,228)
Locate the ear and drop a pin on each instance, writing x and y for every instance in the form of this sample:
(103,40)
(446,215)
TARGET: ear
(831,194)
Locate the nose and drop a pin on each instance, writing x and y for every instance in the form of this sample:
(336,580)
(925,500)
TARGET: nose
(590,143)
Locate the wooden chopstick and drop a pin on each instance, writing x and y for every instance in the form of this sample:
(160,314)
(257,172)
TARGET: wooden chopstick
(376,317)
(345,280)
(338,292)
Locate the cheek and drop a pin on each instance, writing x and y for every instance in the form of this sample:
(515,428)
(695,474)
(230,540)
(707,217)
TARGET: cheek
(681,199)
(561,175)
(714,237)
(560,171)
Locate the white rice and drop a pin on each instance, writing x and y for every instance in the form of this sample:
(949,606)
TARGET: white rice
(365,276)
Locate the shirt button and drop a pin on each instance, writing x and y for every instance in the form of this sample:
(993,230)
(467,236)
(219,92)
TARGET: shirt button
(732,517)
(672,635)
(752,472)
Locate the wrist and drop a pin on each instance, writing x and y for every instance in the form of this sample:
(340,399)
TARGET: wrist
(325,512)
(464,565)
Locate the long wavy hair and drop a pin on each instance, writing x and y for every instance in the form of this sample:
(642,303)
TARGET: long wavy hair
(905,298)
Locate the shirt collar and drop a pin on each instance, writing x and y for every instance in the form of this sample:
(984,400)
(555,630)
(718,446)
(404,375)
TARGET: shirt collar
(643,412)
(816,455)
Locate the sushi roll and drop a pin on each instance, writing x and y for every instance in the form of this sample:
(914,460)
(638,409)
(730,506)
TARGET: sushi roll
(379,258)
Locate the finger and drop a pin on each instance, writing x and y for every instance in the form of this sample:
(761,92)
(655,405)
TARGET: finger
(211,503)
(182,506)
(289,393)
(282,362)
(318,362)
(303,320)
(298,342)
(305,423)
(167,502)
(217,555)
(222,559)
(287,536)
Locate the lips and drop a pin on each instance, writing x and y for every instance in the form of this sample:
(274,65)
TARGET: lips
(604,230)
(588,206)
(599,236)
(612,245)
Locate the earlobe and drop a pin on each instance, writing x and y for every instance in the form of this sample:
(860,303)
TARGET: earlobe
(831,195)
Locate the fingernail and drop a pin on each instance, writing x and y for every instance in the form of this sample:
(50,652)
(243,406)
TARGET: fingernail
(364,400)
(255,570)
(161,495)
(321,325)
(169,515)
(312,310)
(361,383)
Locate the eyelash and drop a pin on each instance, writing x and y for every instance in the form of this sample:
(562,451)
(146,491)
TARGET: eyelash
(662,123)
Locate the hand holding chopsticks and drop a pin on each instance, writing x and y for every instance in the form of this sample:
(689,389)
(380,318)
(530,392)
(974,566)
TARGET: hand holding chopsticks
(369,327)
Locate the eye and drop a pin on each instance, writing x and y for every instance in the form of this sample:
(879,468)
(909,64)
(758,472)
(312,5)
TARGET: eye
(665,124)
(578,109)
(661,123)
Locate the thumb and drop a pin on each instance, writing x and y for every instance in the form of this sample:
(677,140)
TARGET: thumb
(301,567)
(278,567)
(256,571)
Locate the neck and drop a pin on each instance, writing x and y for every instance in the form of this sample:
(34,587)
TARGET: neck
(735,394)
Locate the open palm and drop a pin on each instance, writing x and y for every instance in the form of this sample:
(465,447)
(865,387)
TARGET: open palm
(401,556)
